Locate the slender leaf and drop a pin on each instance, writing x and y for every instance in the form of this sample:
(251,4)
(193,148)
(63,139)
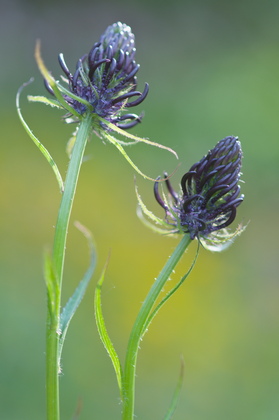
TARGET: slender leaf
(74,301)
(116,143)
(103,331)
(170,293)
(37,142)
(42,99)
(176,394)
(136,138)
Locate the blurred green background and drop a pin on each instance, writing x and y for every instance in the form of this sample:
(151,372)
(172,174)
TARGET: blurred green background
(212,67)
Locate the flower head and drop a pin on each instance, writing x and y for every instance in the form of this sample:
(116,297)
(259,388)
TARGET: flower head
(100,90)
(209,196)
(105,79)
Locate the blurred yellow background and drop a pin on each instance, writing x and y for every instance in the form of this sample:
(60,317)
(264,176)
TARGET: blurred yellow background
(213,71)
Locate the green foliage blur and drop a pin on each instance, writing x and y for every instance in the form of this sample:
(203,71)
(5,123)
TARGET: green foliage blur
(212,67)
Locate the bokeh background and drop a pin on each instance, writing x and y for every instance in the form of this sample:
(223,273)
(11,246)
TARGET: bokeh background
(212,67)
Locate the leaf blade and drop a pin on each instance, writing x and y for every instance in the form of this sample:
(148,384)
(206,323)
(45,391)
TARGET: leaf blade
(43,100)
(74,301)
(103,330)
(37,142)
(116,143)
(128,135)
(175,397)
(170,293)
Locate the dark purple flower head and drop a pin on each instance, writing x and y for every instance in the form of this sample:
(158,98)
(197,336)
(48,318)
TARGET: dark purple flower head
(106,78)
(210,193)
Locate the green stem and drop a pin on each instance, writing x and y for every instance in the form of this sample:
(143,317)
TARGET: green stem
(138,328)
(58,257)
(68,197)
(52,368)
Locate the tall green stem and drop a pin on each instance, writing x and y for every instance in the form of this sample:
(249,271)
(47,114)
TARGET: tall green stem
(58,257)
(68,196)
(139,326)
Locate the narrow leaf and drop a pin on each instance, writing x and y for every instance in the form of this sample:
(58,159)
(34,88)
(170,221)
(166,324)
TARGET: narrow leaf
(176,394)
(103,331)
(122,151)
(42,99)
(136,138)
(37,142)
(171,292)
(74,301)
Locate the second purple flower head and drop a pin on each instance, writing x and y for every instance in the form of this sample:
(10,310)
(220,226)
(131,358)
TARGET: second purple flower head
(208,198)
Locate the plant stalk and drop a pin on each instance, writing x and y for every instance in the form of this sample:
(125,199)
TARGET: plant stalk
(61,230)
(139,325)
(58,258)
